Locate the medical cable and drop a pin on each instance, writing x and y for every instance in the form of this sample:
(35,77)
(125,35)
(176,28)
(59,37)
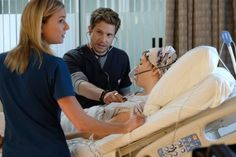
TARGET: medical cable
(221,50)
(228,41)
(180,112)
(93,147)
(138,73)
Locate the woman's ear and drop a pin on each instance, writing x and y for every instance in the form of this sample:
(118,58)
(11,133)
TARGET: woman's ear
(160,73)
(157,72)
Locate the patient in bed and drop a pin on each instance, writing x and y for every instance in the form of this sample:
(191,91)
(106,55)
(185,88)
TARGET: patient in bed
(153,64)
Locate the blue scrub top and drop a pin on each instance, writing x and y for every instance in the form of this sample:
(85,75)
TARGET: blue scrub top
(31,110)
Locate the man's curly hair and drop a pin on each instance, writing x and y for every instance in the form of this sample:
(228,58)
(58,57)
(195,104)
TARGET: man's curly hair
(107,15)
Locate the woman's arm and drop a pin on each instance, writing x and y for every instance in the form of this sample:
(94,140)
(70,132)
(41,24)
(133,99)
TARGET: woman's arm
(87,124)
(119,118)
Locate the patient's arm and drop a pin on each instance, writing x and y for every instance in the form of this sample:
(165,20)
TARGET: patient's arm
(121,117)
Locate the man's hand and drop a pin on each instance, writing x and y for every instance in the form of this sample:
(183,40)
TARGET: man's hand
(113,96)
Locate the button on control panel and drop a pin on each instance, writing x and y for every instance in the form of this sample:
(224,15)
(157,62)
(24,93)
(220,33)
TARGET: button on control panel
(180,147)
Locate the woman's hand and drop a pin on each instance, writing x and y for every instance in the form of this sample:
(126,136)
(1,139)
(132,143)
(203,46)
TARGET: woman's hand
(134,122)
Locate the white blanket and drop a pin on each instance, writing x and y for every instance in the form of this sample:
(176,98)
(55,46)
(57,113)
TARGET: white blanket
(134,104)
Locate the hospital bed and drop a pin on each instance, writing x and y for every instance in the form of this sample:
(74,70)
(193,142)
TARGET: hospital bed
(176,140)
(197,111)
(199,116)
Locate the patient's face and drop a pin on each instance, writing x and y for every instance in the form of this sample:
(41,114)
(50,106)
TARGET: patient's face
(143,71)
(144,64)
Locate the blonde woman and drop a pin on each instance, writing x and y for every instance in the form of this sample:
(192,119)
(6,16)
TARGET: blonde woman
(35,86)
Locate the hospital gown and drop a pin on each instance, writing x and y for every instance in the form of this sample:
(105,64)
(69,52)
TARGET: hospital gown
(134,104)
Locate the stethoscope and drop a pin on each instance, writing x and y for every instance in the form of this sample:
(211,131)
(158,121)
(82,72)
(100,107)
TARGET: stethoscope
(94,50)
(96,54)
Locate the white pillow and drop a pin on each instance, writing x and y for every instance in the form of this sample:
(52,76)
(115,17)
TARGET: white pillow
(188,70)
(208,93)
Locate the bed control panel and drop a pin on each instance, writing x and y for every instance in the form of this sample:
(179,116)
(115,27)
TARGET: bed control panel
(180,147)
